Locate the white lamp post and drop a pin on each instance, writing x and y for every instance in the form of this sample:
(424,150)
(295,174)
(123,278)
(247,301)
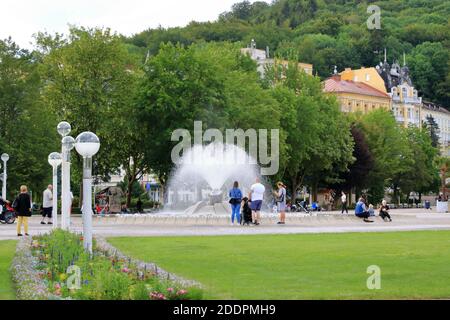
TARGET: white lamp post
(87,145)
(67,145)
(54,159)
(5,158)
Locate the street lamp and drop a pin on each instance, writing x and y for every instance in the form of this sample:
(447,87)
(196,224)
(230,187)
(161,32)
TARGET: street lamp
(5,158)
(54,159)
(87,145)
(67,142)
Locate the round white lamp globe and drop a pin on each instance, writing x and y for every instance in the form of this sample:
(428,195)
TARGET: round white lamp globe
(64,128)
(5,157)
(54,159)
(68,142)
(87,144)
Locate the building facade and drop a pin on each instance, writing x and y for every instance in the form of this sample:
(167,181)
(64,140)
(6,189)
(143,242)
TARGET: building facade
(406,103)
(356,96)
(263,60)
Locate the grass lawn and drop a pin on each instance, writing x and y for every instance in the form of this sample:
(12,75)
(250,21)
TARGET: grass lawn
(308,266)
(7,249)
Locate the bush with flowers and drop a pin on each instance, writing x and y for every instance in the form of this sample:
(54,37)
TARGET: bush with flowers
(102,276)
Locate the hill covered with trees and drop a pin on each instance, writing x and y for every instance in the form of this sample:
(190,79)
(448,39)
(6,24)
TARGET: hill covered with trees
(332,32)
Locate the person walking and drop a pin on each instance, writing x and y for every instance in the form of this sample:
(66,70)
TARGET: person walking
(344,202)
(256,196)
(22,205)
(280,198)
(235,195)
(47,205)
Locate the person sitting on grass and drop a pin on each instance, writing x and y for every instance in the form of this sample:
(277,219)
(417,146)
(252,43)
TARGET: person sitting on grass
(384,211)
(361,211)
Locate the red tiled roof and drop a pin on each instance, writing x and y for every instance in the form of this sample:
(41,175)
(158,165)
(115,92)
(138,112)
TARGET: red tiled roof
(335,84)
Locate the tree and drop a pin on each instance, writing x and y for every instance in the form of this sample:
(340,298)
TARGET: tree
(389,147)
(421,173)
(432,128)
(357,175)
(318,141)
(90,82)
(211,83)
(27,133)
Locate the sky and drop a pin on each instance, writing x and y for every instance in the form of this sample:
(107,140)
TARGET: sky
(20,19)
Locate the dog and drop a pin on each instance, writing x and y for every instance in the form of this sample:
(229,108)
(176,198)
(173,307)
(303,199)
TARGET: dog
(246,212)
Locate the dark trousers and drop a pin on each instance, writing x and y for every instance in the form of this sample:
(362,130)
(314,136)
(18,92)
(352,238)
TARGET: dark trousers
(385,214)
(364,215)
(344,207)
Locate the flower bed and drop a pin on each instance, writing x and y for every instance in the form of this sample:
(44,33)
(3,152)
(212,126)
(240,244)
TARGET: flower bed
(104,276)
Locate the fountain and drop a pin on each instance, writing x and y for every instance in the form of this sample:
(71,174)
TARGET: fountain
(201,180)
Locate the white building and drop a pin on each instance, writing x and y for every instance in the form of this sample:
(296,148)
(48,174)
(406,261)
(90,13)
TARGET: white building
(263,60)
(442,117)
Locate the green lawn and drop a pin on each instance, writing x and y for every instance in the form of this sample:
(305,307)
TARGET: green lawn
(7,249)
(315,266)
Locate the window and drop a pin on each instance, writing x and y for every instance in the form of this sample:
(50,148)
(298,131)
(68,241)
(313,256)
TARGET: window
(367,77)
(404,92)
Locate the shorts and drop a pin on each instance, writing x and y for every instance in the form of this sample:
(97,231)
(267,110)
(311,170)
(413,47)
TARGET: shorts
(47,212)
(281,206)
(256,205)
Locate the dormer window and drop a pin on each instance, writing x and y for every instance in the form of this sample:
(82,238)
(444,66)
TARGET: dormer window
(415,93)
(404,92)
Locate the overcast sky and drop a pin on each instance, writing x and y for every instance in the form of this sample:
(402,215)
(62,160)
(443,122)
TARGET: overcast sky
(20,19)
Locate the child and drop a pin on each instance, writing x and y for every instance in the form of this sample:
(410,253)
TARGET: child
(371,210)
(384,211)
(246,212)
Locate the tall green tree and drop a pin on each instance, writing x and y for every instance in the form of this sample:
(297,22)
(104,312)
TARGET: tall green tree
(318,140)
(26,132)
(90,81)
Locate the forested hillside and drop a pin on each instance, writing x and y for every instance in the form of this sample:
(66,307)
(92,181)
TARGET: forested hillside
(333,32)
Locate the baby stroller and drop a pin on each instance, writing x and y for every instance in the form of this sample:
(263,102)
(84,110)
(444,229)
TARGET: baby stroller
(8,215)
(300,206)
(246,218)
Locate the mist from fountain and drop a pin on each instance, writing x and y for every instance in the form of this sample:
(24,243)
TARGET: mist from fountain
(213,167)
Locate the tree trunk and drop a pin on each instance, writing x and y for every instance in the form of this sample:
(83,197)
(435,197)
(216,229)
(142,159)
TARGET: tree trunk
(129,189)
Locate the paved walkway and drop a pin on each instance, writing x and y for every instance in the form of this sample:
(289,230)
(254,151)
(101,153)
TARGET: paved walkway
(184,225)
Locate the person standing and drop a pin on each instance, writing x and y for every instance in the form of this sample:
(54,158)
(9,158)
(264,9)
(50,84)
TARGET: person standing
(22,205)
(139,205)
(280,195)
(235,195)
(47,205)
(257,196)
(344,203)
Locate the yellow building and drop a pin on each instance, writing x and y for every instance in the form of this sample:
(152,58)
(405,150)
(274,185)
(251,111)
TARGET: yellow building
(369,76)
(356,96)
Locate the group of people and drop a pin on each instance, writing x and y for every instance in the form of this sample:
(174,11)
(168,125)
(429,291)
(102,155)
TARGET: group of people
(364,212)
(22,208)
(251,204)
